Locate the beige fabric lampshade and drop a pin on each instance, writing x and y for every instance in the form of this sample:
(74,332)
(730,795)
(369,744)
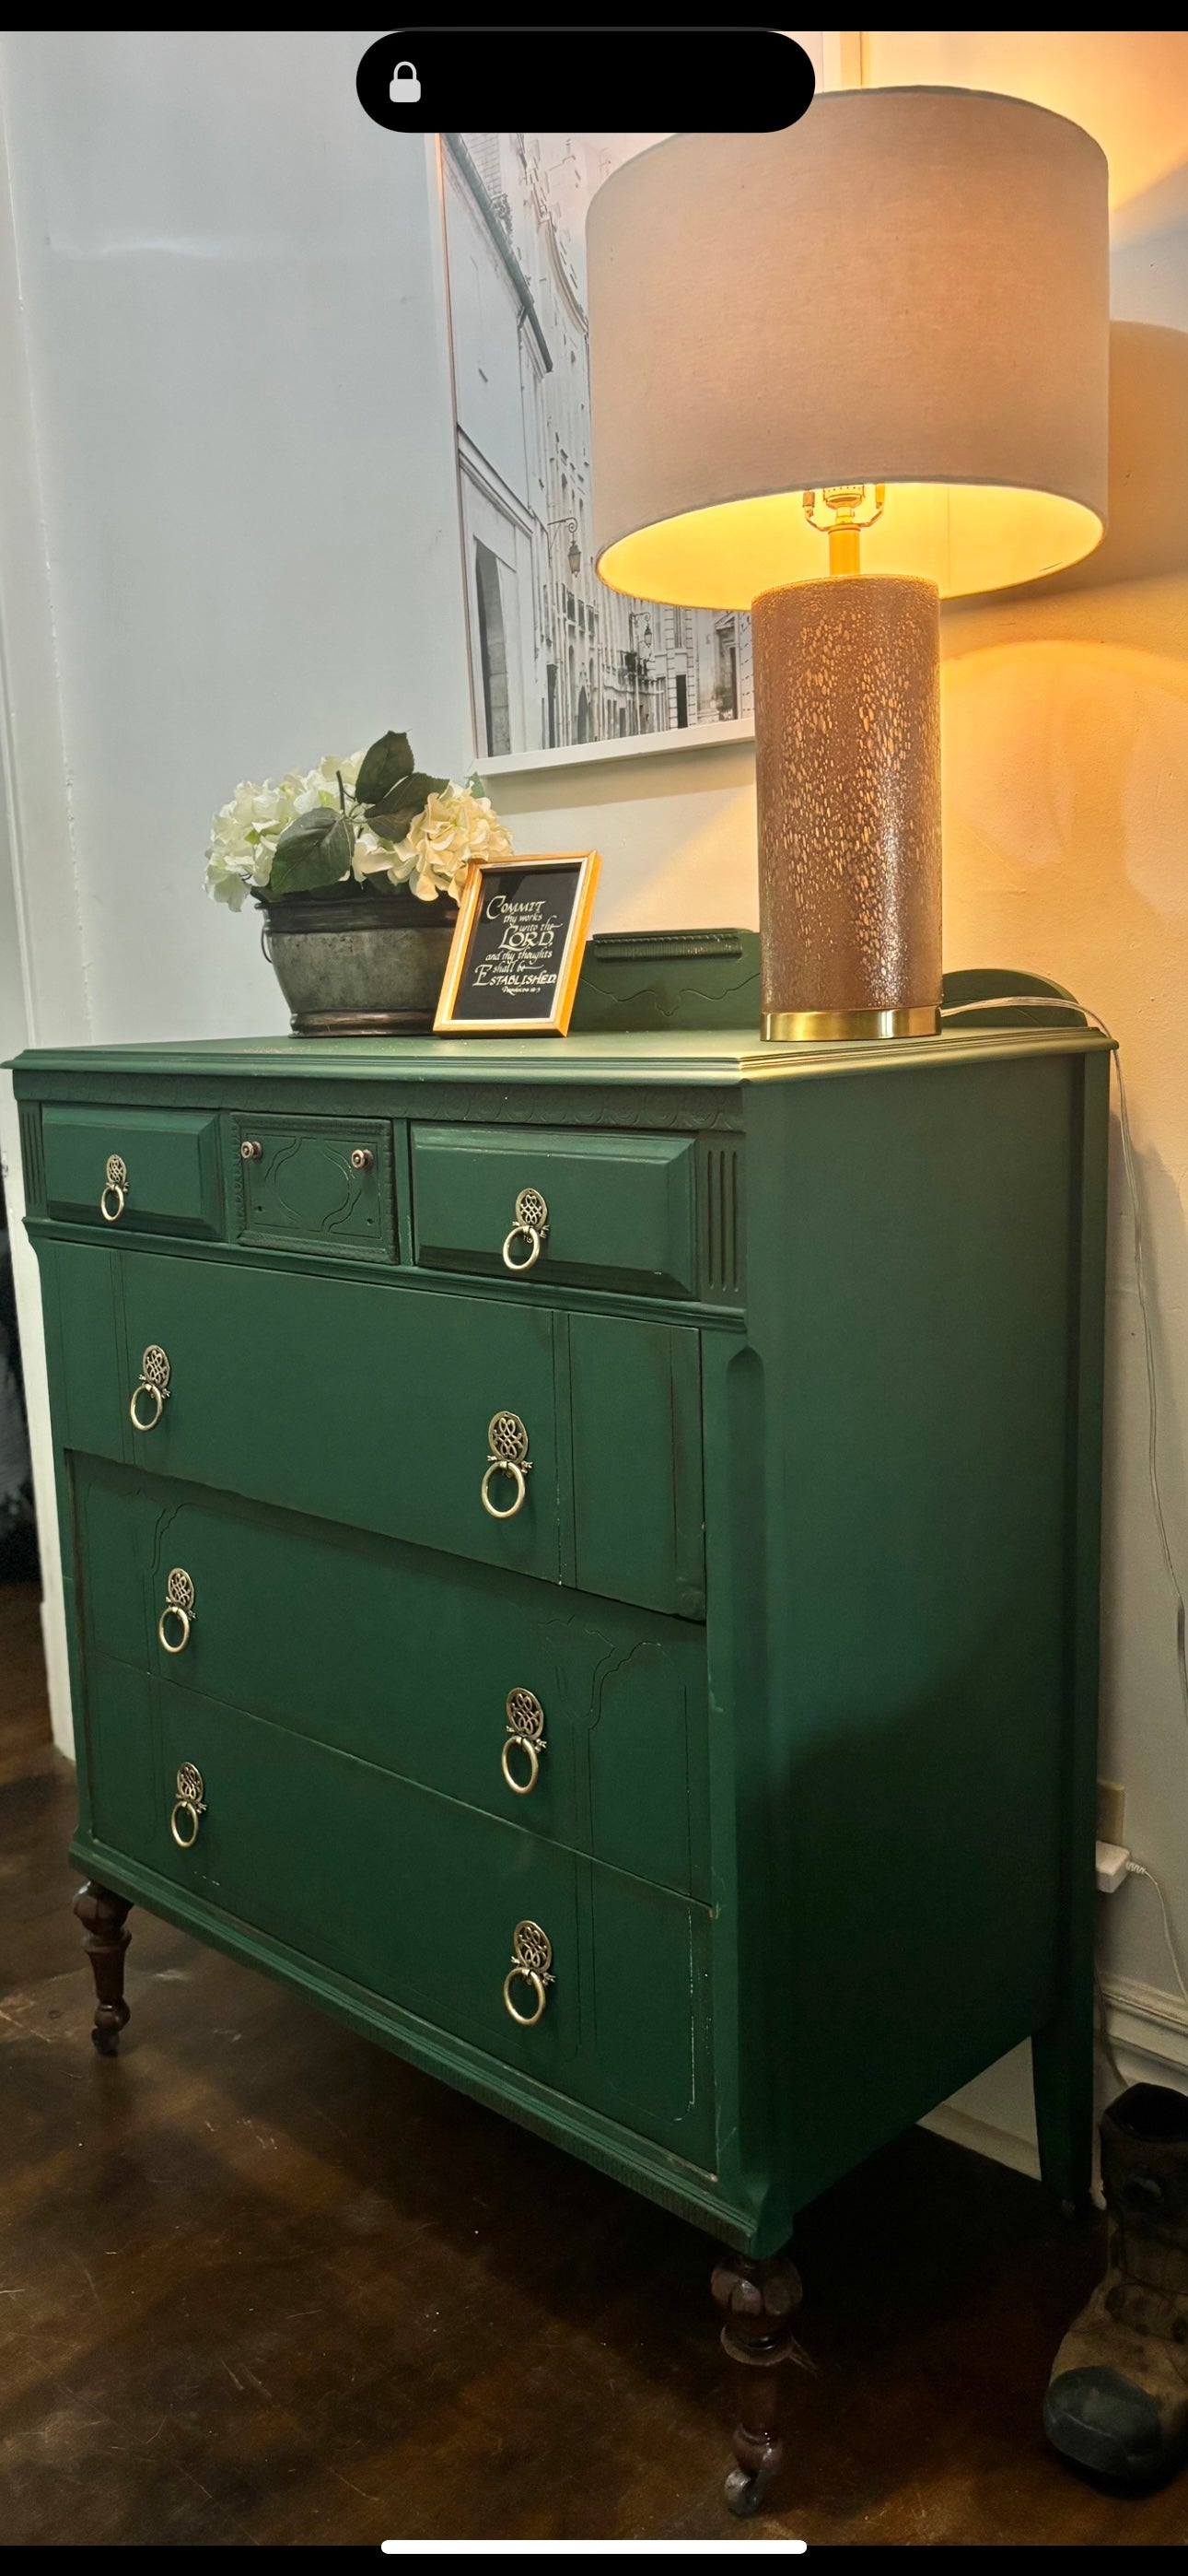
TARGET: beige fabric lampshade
(908,287)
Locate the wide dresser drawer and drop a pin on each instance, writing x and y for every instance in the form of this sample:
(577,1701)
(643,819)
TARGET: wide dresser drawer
(581,1719)
(562,1446)
(585,1980)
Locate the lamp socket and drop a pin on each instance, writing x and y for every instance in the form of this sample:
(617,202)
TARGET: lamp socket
(1111,1811)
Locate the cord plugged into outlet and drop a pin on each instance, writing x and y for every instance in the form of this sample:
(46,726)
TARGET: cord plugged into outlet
(1114,1865)
(1113,1862)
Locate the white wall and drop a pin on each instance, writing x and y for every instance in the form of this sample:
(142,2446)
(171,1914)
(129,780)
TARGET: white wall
(230,292)
(227,518)
(228,542)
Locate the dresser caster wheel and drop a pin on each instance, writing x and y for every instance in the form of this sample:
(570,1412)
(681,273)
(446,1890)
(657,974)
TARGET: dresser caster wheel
(758,2299)
(744,2494)
(104,1918)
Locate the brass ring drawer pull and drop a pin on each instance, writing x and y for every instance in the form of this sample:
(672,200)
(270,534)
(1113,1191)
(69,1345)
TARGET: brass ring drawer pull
(153,1382)
(507,1447)
(190,1803)
(115,1187)
(525,1734)
(532,1961)
(179,1606)
(531,1227)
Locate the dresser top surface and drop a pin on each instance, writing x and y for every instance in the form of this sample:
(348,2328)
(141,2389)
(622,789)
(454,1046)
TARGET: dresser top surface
(711,1056)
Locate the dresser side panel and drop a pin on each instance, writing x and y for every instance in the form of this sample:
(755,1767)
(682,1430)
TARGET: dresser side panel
(913,1302)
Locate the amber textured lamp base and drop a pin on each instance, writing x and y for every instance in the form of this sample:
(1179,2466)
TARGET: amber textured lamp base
(847,739)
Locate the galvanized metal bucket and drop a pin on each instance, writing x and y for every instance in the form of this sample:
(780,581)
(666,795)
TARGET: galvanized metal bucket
(353,964)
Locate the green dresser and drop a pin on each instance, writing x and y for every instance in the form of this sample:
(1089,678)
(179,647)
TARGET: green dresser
(582,1559)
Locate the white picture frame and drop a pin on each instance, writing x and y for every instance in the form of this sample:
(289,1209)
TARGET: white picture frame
(562,670)
(559,665)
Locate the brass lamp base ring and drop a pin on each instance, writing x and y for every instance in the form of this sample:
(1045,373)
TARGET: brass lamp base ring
(839,1027)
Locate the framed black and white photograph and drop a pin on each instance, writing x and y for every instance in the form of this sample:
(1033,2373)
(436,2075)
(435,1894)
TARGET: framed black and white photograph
(556,659)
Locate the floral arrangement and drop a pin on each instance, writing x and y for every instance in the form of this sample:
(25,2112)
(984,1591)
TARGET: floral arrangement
(375,816)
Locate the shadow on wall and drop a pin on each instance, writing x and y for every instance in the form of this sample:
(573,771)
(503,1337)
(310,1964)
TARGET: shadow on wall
(1147,535)
(1066,735)
(1065,712)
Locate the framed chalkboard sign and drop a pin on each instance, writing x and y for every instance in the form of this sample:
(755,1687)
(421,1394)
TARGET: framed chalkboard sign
(517,950)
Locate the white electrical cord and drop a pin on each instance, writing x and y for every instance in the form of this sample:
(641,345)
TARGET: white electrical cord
(1136,1869)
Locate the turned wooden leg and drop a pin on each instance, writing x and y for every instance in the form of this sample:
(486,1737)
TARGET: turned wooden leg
(758,2301)
(104,1920)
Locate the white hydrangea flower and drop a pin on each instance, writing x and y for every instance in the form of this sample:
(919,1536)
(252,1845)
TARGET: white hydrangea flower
(245,831)
(320,786)
(244,835)
(455,828)
(439,846)
(326,776)
(372,857)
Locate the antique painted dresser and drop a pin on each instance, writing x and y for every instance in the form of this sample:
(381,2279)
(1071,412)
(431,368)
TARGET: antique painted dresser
(582,1559)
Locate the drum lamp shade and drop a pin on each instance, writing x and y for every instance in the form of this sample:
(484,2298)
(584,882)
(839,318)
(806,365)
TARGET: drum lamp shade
(908,287)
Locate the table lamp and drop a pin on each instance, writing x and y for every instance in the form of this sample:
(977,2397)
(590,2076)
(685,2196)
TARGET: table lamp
(839,373)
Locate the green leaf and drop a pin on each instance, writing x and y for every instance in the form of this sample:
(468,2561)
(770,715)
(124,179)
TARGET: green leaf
(314,851)
(476,786)
(391,819)
(388,762)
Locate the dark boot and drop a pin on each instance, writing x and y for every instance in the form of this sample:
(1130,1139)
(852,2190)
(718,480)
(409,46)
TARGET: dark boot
(1117,2399)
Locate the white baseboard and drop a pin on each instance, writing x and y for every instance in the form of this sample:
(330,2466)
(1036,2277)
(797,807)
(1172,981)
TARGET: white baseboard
(1148,2034)
(1145,2023)
(984,2137)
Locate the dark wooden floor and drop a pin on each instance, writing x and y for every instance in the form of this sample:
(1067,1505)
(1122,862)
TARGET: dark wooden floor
(260,2282)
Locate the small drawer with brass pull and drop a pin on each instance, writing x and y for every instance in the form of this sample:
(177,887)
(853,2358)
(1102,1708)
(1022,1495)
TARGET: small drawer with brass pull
(525,1743)
(539,1203)
(152,1387)
(149,1171)
(509,1462)
(531,1968)
(177,1618)
(317,1185)
(189,1806)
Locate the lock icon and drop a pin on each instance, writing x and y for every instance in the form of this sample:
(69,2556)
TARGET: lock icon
(404,88)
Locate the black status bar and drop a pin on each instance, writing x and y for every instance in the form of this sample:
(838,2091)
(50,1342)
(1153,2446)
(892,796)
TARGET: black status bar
(638,80)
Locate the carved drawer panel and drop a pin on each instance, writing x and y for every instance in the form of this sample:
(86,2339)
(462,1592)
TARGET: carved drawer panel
(322,1186)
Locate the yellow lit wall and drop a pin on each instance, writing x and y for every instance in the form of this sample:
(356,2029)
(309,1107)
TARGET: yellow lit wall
(1066,824)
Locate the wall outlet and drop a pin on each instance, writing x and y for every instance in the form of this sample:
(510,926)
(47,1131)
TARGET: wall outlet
(1111,1811)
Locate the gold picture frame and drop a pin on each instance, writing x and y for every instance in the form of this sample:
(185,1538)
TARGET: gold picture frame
(535,950)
